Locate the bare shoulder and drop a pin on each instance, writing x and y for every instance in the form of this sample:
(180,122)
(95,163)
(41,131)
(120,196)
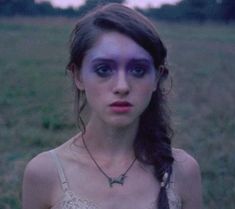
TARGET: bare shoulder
(39,180)
(40,168)
(184,162)
(188,179)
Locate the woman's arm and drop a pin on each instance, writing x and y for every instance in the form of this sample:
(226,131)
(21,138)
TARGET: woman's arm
(188,180)
(37,184)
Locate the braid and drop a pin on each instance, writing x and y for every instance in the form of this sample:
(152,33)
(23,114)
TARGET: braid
(153,143)
(162,201)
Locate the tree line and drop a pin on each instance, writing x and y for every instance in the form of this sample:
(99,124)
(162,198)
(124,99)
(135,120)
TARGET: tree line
(44,8)
(197,10)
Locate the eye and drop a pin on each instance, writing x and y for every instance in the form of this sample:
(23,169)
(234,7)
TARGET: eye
(103,70)
(138,70)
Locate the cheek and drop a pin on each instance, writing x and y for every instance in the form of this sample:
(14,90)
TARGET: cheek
(95,93)
(144,95)
(147,87)
(90,84)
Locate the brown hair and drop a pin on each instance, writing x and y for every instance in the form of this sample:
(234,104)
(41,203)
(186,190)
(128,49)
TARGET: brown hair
(152,144)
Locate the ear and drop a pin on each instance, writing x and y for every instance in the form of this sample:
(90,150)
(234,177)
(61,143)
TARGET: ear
(77,77)
(156,79)
(158,76)
(155,82)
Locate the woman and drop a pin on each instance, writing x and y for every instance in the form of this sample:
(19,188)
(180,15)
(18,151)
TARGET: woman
(123,157)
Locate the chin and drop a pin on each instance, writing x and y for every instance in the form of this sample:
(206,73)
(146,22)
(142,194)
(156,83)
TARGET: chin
(121,122)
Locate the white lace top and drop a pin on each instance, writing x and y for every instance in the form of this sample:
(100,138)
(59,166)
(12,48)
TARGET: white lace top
(72,201)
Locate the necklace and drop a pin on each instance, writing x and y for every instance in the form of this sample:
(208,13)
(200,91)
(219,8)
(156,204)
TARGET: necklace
(111,180)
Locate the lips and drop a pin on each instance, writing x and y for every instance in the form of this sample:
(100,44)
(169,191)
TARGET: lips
(121,106)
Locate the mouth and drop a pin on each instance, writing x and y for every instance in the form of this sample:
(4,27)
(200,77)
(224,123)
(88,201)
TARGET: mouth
(121,104)
(121,107)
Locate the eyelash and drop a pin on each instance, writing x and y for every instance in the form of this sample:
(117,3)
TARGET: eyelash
(104,70)
(138,71)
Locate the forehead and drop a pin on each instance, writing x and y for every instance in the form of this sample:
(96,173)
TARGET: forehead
(114,45)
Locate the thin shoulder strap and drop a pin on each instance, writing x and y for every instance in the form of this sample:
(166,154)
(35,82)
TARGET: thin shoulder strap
(60,170)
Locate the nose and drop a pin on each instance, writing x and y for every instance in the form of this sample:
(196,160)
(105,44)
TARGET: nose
(121,84)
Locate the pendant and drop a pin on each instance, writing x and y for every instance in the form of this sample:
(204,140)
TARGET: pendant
(118,180)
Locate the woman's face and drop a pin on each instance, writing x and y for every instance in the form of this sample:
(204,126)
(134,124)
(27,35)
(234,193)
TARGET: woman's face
(118,77)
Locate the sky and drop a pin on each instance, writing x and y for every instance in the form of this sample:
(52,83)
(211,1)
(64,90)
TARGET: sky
(132,3)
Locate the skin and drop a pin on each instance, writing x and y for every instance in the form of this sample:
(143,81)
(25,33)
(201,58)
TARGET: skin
(110,72)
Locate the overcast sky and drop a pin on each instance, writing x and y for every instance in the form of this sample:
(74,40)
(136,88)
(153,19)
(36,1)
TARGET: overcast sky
(136,3)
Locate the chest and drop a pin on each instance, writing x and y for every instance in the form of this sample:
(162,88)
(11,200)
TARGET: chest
(138,191)
(92,189)
(127,202)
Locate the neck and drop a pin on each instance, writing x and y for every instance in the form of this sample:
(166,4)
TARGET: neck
(110,141)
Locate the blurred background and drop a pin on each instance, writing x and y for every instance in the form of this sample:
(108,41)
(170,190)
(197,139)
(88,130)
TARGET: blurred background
(37,97)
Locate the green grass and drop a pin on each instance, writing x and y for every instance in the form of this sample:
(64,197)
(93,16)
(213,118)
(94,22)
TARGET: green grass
(36,99)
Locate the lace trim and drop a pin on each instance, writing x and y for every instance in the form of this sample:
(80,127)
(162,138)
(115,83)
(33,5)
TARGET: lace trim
(72,201)
(173,198)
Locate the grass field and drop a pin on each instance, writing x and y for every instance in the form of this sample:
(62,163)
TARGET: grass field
(36,99)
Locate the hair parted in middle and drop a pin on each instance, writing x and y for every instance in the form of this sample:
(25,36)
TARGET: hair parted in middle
(152,144)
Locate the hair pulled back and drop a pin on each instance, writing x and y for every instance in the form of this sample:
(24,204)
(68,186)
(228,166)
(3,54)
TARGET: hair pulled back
(152,144)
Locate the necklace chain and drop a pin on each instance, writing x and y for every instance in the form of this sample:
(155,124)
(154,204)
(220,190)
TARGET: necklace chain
(112,180)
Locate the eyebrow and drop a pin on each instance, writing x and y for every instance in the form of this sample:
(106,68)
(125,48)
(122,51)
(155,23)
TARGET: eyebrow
(100,59)
(141,60)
